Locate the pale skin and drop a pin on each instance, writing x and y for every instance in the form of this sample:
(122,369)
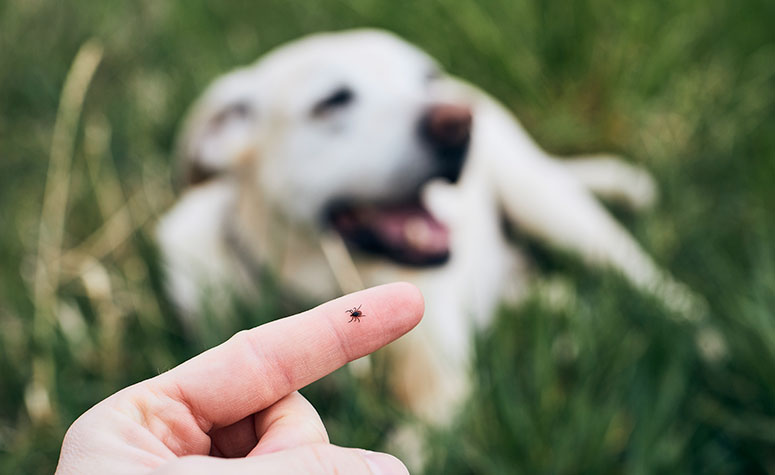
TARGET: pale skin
(234,409)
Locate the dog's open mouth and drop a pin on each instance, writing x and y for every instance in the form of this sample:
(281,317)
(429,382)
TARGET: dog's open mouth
(405,233)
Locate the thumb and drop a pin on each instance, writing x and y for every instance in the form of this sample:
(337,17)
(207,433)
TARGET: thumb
(320,459)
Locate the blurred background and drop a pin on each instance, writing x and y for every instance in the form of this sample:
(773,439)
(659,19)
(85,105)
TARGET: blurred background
(608,382)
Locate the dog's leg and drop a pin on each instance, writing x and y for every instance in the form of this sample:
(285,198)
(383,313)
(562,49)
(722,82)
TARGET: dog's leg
(613,179)
(545,200)
(196,262)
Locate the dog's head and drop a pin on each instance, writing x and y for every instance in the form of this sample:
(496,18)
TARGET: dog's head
(339,130)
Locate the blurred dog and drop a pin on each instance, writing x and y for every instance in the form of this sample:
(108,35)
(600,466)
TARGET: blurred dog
(349,159)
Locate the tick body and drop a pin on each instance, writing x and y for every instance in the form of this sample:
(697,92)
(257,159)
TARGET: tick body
(355,314)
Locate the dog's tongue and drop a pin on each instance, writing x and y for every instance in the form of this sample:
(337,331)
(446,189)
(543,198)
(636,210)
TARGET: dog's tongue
(406,232)
(410,227)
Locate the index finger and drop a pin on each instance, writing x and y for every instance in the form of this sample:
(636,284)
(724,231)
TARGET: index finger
(257,367)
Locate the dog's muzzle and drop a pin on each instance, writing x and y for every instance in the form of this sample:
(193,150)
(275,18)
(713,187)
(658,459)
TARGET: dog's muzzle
(403,230)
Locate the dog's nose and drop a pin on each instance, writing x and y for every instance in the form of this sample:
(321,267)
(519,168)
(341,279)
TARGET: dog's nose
(447,125)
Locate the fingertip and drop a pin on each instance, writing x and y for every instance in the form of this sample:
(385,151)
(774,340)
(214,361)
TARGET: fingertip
(412,300)
(401,302)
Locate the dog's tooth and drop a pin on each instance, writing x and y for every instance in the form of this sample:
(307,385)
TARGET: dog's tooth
(417,233)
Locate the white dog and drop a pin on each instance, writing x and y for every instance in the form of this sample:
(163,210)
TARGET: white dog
(348,160)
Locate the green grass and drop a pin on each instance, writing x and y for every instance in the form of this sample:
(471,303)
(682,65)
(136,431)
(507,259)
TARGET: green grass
(608,383)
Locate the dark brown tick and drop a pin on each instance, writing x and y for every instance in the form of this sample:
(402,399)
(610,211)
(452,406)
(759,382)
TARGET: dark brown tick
(355,314)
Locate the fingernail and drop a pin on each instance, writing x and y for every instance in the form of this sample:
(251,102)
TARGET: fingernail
(384,464)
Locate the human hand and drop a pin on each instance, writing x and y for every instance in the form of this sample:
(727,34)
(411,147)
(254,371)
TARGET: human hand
(234,408)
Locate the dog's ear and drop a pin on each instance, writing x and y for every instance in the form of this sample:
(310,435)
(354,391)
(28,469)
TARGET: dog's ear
(220,130)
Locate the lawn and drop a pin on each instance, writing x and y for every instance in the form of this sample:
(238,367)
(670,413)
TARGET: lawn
(606,381)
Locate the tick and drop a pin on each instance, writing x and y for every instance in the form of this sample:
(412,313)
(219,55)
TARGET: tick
(355,314)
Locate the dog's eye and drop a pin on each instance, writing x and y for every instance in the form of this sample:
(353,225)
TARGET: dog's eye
(337,99)
(237,111)
(433,74)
